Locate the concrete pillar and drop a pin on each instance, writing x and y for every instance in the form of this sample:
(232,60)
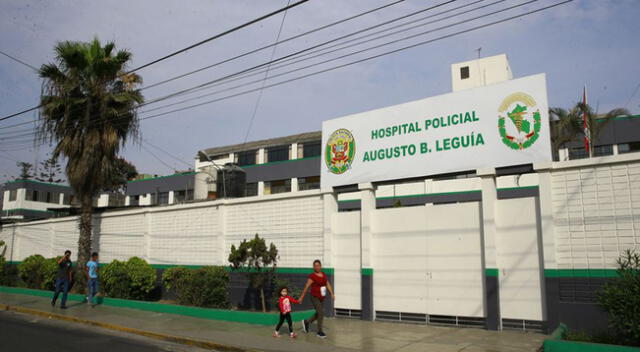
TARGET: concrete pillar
(261,156)
(329,208)
(546,241)
(171,197)
(127,201)
(294,151)
(147,236)
(489,257)
(261,188)
(367,206)
(615,149)
(220,235)
(294,184)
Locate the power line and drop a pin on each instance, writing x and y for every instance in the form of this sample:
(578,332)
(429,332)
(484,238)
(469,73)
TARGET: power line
(220,35)
(184,91)
(158,158)
(18,61)
(264,64)
(356,52)
(166,152)
(176,52)
(367,58)
(266,75)
(363,60)
(288,56)
(632,96)
(272,45)
(223,80)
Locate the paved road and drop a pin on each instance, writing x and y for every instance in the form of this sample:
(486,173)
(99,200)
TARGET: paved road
(21,332)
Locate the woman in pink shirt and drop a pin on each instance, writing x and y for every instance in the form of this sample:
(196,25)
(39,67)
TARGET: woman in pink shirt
(319,285)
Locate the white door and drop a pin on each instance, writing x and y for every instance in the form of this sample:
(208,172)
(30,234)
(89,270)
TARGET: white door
(518,258)
(454,260)
(345,228)
(399,245)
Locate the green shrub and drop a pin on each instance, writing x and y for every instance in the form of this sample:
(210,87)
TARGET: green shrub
(277,283)
(133,279)
(171,276)
(50,272)
(204,287)
(37,272)
(8,273)
(621,299)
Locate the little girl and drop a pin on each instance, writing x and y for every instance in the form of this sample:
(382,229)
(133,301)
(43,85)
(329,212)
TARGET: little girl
(284,303)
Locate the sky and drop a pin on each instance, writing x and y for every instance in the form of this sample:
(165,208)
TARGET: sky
(584,42)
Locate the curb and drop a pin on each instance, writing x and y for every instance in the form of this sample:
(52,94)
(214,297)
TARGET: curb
(149,334)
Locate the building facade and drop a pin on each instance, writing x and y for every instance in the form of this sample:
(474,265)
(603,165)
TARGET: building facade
(278,165)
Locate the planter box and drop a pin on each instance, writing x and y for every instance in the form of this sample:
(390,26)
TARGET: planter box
(197,312)
(556,344)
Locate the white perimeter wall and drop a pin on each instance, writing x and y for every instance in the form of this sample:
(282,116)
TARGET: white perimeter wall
(196,234)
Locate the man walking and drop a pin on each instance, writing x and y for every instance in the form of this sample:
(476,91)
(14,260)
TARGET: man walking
(92,278)
(63,279)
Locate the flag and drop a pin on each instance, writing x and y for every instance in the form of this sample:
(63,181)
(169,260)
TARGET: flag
(585,122)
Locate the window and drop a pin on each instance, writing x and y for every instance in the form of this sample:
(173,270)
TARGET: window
(279,186)
(134,200)
(306,183)
(464,72)
(220,157)
(163,198)
(578,153)
(13,195)
(247,158)
(252,189)
(31,195)
(52,197)
(629,147)
(182,196)
(603,150)
(311,149)
(278,153)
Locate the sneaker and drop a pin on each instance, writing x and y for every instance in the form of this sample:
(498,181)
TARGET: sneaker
(53,303)
(63,307)
(276,334)
(305,326)
(293,335)
(322,335)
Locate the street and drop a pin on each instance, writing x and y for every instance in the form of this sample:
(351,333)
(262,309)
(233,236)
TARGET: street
(21,332)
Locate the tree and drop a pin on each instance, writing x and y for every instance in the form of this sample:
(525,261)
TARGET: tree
(125,171)
(258,260)
(621,299)
(50,171)
(567,125)
(88,110)
(25,170)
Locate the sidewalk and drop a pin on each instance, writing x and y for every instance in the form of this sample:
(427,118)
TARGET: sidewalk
(344,334)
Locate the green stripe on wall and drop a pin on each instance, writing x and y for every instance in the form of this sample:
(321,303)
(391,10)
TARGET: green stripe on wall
(602,273)
(197,312)
(491,272)
(366,271)
(515,188)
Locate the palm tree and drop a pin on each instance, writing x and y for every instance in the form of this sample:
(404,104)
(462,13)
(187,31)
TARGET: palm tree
(567,125)
(88,110)
(596,122)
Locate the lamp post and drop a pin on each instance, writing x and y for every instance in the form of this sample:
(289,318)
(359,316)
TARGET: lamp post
(203,155)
